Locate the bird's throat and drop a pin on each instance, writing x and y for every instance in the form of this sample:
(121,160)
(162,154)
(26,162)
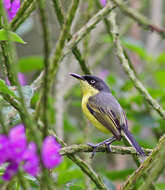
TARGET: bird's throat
(87,89)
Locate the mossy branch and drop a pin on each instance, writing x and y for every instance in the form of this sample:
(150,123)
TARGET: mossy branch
(73,149)
(151,161)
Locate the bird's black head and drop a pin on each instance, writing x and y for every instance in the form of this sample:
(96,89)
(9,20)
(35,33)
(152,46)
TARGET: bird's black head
(93,81)
(96,82)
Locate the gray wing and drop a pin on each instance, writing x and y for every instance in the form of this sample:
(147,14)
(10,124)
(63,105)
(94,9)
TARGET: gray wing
(105,108)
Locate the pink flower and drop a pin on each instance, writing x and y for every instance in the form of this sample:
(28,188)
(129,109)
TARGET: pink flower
(31,159)
(18,142)
(103,74)
(11,7)
(22,79)
(11,170)
(50,152)
(15,151)
(4,145)
(103,2)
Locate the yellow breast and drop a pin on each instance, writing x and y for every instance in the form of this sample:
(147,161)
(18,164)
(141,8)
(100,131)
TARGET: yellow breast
(94,121)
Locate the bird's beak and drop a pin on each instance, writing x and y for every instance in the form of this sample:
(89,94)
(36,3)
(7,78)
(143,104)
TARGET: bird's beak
(77,76)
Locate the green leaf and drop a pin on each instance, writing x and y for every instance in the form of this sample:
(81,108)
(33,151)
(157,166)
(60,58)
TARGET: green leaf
(30,63)
(13,36)
(160,58)
(67,172)
(121,174)
(145,120)
(72,173)
(137,48)
(159,76)
(5,89)
(160,186)
(74,185)
(132,45)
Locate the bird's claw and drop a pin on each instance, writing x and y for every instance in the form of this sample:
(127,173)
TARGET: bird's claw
(94,146)
(108,147)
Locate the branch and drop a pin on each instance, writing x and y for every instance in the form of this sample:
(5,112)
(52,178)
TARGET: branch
(84,166)
(90,25)
(154,173)
(46,40)
(151,161)
(140,19)
(159,150)
(78,36)
(57,52)
(8,62)
(73,149)
(130,72)
(25,10)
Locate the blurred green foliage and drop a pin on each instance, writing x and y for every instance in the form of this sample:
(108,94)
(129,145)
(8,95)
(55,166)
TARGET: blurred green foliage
(14,37)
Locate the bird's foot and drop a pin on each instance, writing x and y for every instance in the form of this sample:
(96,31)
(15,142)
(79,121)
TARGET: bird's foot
(94,146)
(108,145)
(107,142)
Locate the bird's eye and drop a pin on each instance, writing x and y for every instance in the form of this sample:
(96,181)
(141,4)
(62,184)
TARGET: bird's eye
(92,81)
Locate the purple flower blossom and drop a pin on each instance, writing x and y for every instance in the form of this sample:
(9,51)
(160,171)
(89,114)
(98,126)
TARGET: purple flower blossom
(50,152)
(7,4)
(4,144)
(16,152)
(22,79)
(103,2)
(31,165)
(17,141)
(11,170)
(103,74)
(11,7)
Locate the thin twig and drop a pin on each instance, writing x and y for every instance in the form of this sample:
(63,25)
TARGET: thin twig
(23,13)
(57,52)
(90,25)
(142,20)
(75,50)
(46,40)
(26,15)
(8,63)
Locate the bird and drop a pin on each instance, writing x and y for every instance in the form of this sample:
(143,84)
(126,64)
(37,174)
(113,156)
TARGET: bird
(104,112)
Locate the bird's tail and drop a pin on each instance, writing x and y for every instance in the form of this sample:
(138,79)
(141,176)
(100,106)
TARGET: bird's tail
(130,138)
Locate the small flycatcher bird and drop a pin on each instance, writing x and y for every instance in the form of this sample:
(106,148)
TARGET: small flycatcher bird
(104,111)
